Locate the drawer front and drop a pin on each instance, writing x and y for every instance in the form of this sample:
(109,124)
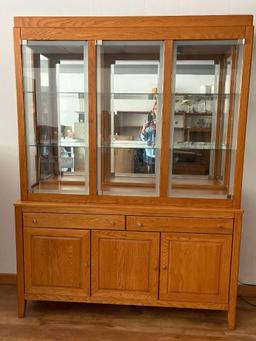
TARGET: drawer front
(79,221)
(174,224)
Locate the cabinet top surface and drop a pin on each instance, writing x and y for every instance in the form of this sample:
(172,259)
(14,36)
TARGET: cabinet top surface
(135,21)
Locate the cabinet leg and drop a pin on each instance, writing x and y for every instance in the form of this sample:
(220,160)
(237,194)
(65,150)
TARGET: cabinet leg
(232,317)
(22,303)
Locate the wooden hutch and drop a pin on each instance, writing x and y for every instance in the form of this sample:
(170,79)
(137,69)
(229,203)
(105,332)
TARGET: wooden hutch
(131,144)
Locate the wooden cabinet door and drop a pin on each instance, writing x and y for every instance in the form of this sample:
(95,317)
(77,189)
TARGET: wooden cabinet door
(125,264)
(57,263)
(195,267)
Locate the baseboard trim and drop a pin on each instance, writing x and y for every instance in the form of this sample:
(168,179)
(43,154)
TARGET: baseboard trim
(8,279)
(246,290)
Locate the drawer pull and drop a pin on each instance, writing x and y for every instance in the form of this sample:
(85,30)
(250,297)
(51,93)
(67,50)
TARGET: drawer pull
(220,226)
(34,220)
(164,268)
(139,224)
(112,222)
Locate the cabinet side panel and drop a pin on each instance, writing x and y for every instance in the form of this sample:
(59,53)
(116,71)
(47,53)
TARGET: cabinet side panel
(20,112)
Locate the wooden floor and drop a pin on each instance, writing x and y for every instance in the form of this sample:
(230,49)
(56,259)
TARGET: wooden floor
(90,322)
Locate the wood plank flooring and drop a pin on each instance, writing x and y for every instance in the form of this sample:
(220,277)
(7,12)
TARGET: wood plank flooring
(93,322)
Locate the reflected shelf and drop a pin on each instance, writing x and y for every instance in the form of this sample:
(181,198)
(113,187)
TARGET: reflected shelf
(203,94)
(55,92)
(200,145)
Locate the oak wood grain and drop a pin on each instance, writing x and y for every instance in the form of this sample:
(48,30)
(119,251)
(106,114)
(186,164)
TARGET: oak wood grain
(125,265)
(178,224)
(57,262)
(133,33)
(137,21)
(195,267)
(76,221)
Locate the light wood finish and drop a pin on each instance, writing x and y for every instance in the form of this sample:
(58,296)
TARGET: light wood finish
(125,265)
(246,73)
(92,28)
(195,240)
(8,278)
(136,21)
(166,120)
(138,210)
(21,114)
(20,262)
(133,33)
(178,224)
(77,221)
(57,262)
(234,271)
(195,267)
(123,200)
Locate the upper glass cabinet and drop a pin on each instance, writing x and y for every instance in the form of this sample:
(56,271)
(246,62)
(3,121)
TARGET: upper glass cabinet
(55,94)
(205,105)
(129,104)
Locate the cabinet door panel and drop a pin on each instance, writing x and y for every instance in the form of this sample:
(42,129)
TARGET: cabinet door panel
(195,267)
(125,264)
(57,262)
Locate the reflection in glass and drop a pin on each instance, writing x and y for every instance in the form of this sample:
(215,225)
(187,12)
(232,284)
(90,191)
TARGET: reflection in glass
(129,107)
(206,88)
(55,95)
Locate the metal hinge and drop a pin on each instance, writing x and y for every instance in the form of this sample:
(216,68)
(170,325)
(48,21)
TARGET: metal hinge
(24,42)
(99,42)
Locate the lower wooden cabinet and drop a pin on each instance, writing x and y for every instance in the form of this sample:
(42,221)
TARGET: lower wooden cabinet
(80,262)
(195,267)
(125,265)
(57,263)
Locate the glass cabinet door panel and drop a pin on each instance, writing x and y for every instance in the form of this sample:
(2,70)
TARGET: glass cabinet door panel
(205,105)
(129,104)
(56,96)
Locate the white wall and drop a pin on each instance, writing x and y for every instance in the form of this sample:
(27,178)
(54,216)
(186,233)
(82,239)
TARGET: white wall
(9,180)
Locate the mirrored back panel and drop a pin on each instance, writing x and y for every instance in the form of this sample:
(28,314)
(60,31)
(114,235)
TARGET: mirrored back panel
(129,105)
(205,106)
(56,96)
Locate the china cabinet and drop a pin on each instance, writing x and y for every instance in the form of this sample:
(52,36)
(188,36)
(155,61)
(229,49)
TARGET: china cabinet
(131,144)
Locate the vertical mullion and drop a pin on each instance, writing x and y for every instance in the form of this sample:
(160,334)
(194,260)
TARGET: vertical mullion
(219,120)
(246,73)
(21,114)
(234,56)
(92,118)
(166,118)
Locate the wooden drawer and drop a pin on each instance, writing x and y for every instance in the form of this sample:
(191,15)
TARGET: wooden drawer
(76,221)
(175,224)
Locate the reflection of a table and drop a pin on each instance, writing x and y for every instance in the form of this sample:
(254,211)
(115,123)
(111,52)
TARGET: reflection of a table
(75,148)
(123,154)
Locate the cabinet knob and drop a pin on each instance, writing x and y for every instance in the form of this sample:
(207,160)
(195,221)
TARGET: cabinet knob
(139,224)
(112,222)
(86,265)
(220,226)
(34,220)
(164,268)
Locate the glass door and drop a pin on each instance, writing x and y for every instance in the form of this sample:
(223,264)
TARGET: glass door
(56,111)
(129,105)
(205,105)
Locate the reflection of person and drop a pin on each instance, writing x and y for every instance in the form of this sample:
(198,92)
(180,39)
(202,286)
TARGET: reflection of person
(148,134)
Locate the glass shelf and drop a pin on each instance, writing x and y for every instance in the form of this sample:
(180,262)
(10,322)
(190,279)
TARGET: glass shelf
(203,94)
(56,92)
